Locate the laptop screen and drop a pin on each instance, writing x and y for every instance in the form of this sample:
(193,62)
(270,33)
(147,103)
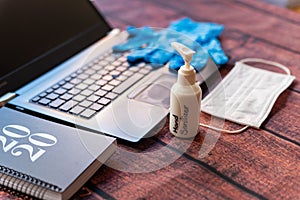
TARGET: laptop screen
(37,35)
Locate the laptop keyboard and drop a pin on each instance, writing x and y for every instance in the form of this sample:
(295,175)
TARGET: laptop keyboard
(94,86)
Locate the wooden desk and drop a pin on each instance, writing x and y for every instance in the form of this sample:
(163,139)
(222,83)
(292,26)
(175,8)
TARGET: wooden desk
(257,164)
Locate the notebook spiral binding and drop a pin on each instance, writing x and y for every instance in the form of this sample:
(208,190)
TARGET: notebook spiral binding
(24,183)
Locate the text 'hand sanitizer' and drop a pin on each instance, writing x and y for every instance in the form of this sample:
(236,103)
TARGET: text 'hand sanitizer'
(185,97)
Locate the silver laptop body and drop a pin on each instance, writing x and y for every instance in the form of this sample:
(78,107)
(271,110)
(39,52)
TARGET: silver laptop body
(134,114)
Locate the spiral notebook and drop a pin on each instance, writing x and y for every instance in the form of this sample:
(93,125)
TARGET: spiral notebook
(45,159)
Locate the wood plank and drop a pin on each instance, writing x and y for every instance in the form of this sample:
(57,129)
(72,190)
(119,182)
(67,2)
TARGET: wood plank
(9,194)
(88,194)
(235,15)
(272,9)
(284,119)
(178,180)
(256,159)
(138,13)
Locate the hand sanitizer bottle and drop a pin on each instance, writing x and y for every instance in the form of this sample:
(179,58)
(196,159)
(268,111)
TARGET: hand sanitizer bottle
(185,97)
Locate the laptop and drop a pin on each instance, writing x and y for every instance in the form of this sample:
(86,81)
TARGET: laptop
(57,64)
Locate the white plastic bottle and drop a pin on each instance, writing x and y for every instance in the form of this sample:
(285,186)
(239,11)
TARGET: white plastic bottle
(185,97)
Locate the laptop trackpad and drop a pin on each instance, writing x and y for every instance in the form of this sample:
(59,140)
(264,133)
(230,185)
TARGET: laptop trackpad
(156,92)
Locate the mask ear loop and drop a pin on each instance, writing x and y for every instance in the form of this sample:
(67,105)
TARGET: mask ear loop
(224,130)
(259,60)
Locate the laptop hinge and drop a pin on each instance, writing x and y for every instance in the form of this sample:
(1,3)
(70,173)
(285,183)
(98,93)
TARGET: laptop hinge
(6,98)
(114,31)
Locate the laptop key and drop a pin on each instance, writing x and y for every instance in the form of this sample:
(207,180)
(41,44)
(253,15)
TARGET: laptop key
(127,73)
(88,113)
(83,76)
(121,78)
(96,76)
(144,71)
(68,78)
(127,83)
(68,105)
(125,64)
(93,98)
(62,82)
(73,75)
(107,87)
(103,63)
(96,106)
(43,94)
(55,87)
(86,92)
(101,92)
(56,103)
(35,99)
(51,96)
(97,67)
(74,91)
(101,82)
(77,110)
(68,86)
(66,97)
(94,87)
(79,98)
(134,68)
(60,91)
(114,82)
(116,63)
(90,71)
(49,90)
(122,59)
(104,101)
(107,78)
(75,81)
(111,95)
(121,69)
(44,101)
(81,86)
(89,81)
(115,73)
(86,103)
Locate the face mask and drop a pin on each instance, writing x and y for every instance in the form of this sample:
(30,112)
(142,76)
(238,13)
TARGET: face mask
(247,94)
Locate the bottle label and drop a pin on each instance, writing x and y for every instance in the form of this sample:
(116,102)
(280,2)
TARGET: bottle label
(184,121)
(176,123)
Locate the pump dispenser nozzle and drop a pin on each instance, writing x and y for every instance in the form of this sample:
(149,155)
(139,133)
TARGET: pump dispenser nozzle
(185,52)
(186,73)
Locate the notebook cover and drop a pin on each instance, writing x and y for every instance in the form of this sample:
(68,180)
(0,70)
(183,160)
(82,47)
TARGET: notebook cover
(44,152)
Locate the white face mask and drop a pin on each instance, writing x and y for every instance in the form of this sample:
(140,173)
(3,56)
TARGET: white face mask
(247,94)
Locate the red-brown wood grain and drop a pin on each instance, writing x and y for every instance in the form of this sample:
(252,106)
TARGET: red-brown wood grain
(265,161)
(256,164)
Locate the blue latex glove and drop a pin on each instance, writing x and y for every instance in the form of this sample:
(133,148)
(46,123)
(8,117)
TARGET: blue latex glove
(199,31)
(215,51)
(153,46)
(156,49)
